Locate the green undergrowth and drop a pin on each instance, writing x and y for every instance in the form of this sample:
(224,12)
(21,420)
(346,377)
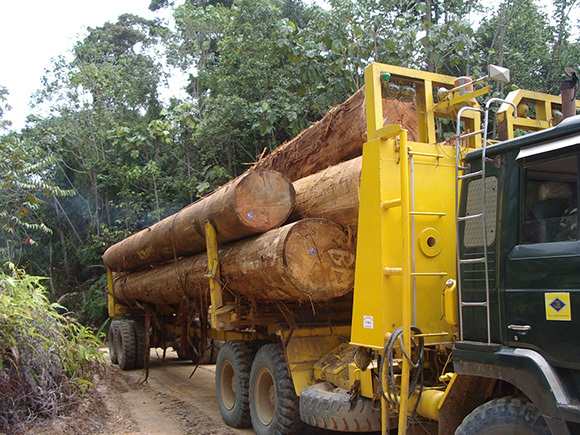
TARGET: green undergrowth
(47,359)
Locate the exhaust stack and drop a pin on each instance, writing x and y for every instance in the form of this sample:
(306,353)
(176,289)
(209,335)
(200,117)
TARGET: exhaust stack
(568,89)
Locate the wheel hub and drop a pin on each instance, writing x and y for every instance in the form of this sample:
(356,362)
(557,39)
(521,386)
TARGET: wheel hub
(228,385)
(266,397)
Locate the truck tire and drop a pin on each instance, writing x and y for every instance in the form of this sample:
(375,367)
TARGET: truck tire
(508,415)
(112,339)
(212,351)
(273,402)
(126,345)
(232,379)
(141,353)
(324,406)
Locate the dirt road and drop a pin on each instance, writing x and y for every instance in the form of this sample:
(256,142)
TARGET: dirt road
(170,402)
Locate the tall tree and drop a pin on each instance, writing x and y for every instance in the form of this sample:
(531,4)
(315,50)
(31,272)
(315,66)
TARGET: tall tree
(561,49)
(193,48)
(518,36)
(110,86)
(111,83)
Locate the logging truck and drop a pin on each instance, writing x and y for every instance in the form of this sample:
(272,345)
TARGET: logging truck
(369,276)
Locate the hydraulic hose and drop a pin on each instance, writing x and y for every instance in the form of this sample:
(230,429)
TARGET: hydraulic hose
(389,391)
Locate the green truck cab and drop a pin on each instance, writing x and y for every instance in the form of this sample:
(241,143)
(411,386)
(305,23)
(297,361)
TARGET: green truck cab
(533,261)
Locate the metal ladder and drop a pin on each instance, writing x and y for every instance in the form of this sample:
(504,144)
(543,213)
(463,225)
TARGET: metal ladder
(408,269)
(479,216)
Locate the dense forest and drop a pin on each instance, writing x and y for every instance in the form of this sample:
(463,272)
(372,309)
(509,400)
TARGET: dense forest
(111,156)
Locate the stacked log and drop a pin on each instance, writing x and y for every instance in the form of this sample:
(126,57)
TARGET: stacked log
(337,137)
(309,260)
(332,193)
(252,204)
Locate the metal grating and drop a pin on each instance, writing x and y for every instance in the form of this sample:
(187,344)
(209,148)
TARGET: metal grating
(473,234)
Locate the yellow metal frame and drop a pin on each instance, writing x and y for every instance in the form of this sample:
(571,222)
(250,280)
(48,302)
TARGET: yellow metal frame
(390,207)
(222,314)
(384,299)
(406,248)
(113,307)
(305,347)
(544,104)
(428,110)
(406,233)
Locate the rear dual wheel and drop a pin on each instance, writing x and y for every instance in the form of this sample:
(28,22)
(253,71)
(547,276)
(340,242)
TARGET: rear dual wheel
(112,339)
(126,345)
(232,381)
(142,353)
(273,401)
(127,342)
(256,390)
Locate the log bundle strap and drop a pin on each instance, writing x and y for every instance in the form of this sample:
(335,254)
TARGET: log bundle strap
(252,204)
(309,260)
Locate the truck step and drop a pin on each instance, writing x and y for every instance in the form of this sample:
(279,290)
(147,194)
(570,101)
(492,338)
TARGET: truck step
(478,346)
(570,407)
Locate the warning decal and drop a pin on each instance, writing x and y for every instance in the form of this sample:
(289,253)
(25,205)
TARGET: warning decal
(368,322)
(558,306)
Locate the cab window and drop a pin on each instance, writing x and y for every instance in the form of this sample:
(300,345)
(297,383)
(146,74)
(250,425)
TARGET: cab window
(551,201)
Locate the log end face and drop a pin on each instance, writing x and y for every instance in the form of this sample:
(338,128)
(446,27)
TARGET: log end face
(319,257)
(264,200)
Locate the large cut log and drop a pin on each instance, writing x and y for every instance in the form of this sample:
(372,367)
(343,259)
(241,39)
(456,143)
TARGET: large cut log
(312,259)
(252,204)
(337,137)
(332,194)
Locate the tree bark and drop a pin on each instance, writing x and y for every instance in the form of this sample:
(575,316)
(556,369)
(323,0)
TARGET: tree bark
(254,203)
(332,194)
(337,137)
(309,260)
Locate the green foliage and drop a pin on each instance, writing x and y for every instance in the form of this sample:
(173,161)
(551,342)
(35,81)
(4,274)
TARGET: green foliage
(47,360)
(247,83)
(4,107)
(111,65)
(159,4)
(94,305)
(26,185)
(198,30)
(519,37)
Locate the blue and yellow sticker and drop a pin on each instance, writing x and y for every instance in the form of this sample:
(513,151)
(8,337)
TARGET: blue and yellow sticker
(558,306)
